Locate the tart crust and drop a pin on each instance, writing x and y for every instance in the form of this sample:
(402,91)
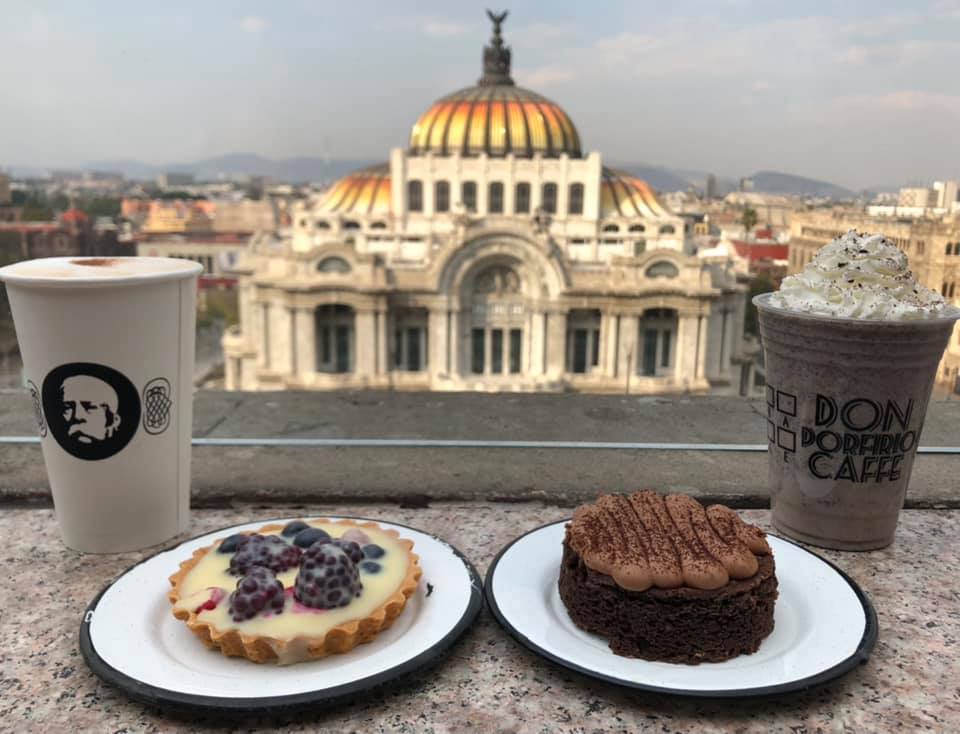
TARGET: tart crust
(340,639)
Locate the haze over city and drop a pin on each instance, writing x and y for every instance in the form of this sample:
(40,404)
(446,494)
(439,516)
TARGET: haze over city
(861,95)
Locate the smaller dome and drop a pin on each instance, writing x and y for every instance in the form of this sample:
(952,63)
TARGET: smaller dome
(623,195)
(362,192)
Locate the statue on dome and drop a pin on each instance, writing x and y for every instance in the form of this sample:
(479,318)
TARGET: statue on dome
(496,56)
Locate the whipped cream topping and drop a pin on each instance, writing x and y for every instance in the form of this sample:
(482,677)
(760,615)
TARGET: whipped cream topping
(859,276)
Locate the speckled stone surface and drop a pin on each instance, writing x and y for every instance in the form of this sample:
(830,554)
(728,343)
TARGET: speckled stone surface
(488,682)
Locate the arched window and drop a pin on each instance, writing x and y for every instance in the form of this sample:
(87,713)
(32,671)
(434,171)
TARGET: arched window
(668,229)
(498,316)
(611,228)
(441,196)
(415,195)
(333,265)
(468,195)
(662,269)
(322,224)
(378,225)
(521,203)
(333,329)
(952,286)
(549,202)
(495,198)
(583,340)
(637,228)
(657,345)
(949,248)
(575,201)
(351,225)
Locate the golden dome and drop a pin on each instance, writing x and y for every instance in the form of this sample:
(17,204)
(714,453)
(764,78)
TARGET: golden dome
(362,192)
(623,195)
(495,117)
(496,120)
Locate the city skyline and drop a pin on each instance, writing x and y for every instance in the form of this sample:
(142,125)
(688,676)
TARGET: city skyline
(860,96)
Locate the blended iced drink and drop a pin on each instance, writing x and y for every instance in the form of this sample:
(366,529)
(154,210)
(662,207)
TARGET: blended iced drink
(851,346)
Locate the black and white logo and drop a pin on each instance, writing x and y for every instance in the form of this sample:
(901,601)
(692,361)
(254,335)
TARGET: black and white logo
(156,406)
(92,410)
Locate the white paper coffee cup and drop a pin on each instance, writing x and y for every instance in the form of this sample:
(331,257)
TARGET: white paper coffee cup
(107,347)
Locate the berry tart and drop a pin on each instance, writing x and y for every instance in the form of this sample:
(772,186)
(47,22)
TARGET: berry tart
(294,592)
(663,578)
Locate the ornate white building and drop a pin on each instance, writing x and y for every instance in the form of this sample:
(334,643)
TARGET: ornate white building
(491,254)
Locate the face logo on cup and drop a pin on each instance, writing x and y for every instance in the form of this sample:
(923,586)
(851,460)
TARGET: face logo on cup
(92,410)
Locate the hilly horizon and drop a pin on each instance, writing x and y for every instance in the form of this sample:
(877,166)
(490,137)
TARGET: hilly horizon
(316,169)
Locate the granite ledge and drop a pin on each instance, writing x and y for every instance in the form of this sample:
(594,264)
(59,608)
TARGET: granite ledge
(488,682)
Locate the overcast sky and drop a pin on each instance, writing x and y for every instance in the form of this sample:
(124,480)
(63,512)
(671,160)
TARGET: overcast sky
(858,93)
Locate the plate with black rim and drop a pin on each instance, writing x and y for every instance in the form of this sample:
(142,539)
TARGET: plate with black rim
(130,638)
(824,625)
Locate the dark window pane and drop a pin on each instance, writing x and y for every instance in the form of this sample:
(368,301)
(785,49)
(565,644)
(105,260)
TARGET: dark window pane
(477,357)
(468,193)
(495,198)
(413,350)
(649,363)
(522,203)
(550,198)
(595,357)
(442,196)
(580,351)
(496,351)
(575,205)
(398,348)
(415,196)
(665,357)
(325,341)
(516,340)
(343,349)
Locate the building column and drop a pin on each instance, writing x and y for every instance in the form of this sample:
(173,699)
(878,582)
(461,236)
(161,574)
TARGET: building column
(686,359)
(306,343)
(608,343)
(280,333)
(382,344)
(438,362)
(700,365)
(627,359)
(536,365)
(556,343)
(364,340)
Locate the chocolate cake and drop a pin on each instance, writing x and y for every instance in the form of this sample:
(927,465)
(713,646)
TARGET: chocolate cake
(663,578)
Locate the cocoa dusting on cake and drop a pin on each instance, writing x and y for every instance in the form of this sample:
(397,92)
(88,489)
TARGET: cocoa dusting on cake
(663,578)
(646,539)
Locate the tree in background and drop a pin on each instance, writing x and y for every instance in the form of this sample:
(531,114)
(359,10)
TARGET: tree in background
(749,219)
(760,284)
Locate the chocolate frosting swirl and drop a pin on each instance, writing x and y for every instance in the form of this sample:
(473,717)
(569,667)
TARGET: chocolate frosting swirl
(647,539)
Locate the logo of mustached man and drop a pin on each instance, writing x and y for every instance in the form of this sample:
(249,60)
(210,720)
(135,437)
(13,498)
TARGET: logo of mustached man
(92,410)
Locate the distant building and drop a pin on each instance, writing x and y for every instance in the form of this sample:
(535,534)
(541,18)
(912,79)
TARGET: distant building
(710,189)
(172,180)
(178,216)
(921,198)
(746,184)
(947,194)
(491,254)
(217,253)
(4,189)
(931,244)
(245,215)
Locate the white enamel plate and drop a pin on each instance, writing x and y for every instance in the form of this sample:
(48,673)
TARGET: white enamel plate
(824,625)
(130,638)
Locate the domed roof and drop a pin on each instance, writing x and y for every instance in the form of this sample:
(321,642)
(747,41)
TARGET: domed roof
(366,191)
(623,195)
(496,120)
(495,117)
